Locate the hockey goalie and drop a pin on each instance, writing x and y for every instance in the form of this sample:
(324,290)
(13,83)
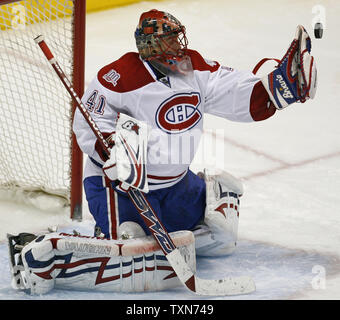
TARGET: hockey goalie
(150,106)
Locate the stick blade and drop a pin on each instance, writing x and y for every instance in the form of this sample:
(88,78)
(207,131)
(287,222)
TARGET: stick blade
(225,287)
(209,287)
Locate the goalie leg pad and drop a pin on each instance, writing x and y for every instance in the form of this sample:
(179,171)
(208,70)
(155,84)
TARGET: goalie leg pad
(74,262)
(218,235)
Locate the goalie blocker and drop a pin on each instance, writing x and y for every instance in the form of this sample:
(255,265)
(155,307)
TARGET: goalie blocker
(74,262)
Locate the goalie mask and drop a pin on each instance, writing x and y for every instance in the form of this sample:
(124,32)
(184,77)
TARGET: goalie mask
(161,40)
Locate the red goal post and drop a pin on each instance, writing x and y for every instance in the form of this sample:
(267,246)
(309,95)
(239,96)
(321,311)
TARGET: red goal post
(40,153)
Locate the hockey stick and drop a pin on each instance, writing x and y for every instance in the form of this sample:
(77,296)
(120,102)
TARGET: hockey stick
(226,286)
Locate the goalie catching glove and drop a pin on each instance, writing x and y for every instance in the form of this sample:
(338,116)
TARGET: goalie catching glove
(295,77)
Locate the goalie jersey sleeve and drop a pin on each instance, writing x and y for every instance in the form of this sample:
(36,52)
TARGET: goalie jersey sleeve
(232,94)
(172,106)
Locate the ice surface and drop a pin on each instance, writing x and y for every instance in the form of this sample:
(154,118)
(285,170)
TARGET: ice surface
(290,213)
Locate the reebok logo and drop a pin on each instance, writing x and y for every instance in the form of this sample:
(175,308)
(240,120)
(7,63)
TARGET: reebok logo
(286,92)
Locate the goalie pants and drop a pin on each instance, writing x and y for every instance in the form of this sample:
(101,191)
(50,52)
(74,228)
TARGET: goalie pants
(179,207)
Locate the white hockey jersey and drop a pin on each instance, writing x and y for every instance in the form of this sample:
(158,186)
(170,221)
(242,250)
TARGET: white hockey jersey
(172,106)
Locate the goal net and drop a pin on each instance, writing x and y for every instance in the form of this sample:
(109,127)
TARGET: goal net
(39,155)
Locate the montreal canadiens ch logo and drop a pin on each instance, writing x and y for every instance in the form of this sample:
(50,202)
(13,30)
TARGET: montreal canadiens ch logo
(179,113)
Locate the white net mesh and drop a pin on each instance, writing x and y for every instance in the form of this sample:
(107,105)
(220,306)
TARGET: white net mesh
(35,123)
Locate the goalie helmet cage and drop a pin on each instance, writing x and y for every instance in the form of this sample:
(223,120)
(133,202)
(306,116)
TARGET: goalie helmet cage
(39,153)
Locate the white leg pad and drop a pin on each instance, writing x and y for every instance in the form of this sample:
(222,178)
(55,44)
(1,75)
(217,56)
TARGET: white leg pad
(218,235)
(59,260)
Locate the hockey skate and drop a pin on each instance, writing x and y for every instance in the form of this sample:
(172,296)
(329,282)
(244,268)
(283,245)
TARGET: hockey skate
(15,246)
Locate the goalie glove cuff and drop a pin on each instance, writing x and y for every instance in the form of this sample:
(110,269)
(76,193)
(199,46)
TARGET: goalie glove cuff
(281,92)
